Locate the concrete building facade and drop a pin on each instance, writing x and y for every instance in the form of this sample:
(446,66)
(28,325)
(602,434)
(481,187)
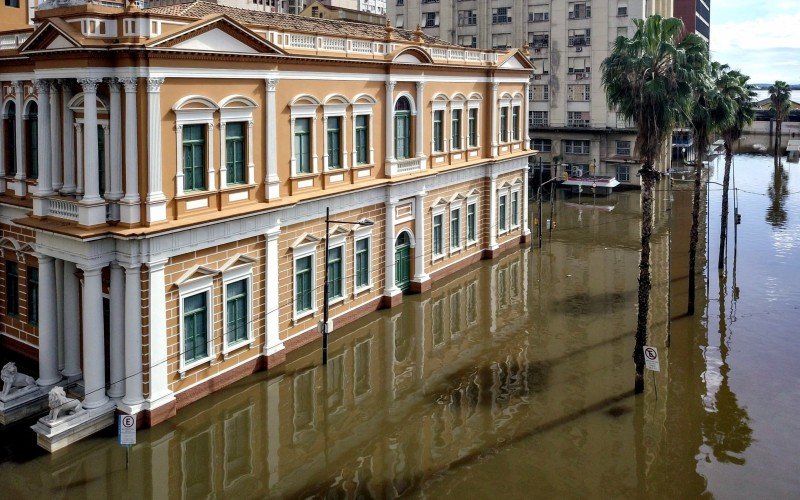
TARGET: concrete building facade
(164,179)
(696,17)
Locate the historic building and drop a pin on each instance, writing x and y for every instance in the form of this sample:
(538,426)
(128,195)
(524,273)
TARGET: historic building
(571,123)
(165,175)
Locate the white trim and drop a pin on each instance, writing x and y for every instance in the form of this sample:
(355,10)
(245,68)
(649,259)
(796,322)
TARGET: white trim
(335,111)
(512,192)
(472,201)
(236,115)
(187,289)
(436,211)
(500,194)
(453,207)
(339,242)
(360,235)
(232,275)
(304,111)
(299,252)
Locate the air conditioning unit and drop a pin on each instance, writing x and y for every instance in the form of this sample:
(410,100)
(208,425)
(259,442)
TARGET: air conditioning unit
(537,77)
(578,49)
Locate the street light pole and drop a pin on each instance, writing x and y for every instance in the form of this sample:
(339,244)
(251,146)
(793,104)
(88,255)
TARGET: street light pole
(325,288)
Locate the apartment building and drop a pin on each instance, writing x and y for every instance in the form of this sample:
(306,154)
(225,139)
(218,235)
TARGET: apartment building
(696,17)
(569,119)
(165,175)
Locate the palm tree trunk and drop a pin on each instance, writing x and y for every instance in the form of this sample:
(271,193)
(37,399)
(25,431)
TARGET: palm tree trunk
(648,180)
(723,225)
(778,126)
(693,234)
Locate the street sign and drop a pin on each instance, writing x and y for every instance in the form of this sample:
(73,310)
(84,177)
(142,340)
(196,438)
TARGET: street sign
(651,359)
(127,430)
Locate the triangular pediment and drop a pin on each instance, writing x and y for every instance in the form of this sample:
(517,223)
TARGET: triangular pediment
(237,261)
(196,272)
(217,34)
(338,231)
(457,197)
(439,203)
(506,184)
(305,239)
(472,192)
(61,42)
(516,60)
(53,34)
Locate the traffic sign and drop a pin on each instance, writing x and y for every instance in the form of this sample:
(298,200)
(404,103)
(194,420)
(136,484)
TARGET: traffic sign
(127,430)
(651,359)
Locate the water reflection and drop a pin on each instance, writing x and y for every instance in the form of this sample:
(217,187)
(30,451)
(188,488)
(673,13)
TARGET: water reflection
(778,191)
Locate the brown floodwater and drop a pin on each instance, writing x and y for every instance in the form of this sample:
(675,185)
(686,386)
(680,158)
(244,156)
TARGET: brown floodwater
(512,378)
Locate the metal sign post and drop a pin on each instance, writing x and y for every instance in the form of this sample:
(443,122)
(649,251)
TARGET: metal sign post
(127,434)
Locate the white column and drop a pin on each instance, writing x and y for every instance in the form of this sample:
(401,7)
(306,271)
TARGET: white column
(293,160)
(526,132)
(270,129)
(156,201)
(389,272)
(94,360)
(526,230)
(251,163)
(223,157)
(273,343)
(129,205)
(68,151)
(48,333)
(116,322)
(314,157)
(72,338)
(114,166)
(179,161)
(44,187)
(324,142)
(211,182)
(20,188)
(420,125)
(159,387)
(343,145)
(56,163)
(494,111)
(91,160)
(493,211)
(79,158)
(420,275)
(133,336)
(106,160)
(60,311)
(389,110)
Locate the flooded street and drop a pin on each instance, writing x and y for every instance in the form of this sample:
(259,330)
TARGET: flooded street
(512,376)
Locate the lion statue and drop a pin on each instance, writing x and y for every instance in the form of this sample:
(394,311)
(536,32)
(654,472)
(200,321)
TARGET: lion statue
(13,379)
(60,402)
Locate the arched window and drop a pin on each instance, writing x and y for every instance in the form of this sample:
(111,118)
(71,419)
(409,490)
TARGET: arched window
(402,128)
(10,138)
(32,141)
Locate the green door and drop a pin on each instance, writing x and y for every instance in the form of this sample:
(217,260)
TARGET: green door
(402,261)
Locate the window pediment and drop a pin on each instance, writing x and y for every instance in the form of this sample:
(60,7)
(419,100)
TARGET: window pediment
(197,274)
(238,261)
(305,241)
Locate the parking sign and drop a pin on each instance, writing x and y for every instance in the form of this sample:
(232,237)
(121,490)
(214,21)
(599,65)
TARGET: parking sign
(127,430)
(651,359)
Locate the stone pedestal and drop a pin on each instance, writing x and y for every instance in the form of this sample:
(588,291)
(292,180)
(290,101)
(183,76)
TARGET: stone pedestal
(31,400)
(54,435)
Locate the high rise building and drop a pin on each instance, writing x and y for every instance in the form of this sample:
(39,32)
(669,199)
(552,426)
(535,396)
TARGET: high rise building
(568,40)
(696,16)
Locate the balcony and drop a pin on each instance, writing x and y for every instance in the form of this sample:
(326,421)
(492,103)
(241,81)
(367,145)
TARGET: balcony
(578,123)
(405,166)
(64,208)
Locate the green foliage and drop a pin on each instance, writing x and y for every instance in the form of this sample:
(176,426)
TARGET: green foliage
(780,100)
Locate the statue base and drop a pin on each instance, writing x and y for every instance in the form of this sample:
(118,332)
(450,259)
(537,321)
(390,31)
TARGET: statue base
(54,435)
(25,402)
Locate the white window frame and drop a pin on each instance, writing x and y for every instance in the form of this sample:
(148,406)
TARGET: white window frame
(474,103)
(202,284)
(459,104)
(472,201)
(235,115)
(359,234)
(357,110)
(438,256)
(501,193)
(510,220)
(504,103)
(453,207)
(234,274)
(305,111)
(299,252)
(338,110)
(194,116)
(339,241)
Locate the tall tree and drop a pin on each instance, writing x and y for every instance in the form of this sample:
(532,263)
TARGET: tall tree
(780,103)
(647,79)
(740,96)
(709,114)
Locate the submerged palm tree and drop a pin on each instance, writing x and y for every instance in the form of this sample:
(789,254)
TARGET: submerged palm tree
(739,95)
(648,80)
(780,103)
(710,113)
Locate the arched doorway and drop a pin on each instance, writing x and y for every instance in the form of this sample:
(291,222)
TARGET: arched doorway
(402,261)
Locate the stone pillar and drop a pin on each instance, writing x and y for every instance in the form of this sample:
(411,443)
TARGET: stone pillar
(156,201)
(390,288)
(420,276)
(48,333)
(494,113)
(72,338)
(159,388)
(114,146)
(92,210)
(44,187)
(60,311)
(273,343)
(94,360)
(79,159)
(56,163)
(420,122)
(272,180)
(526,133)
(129,204)
(117,332)
(68,146)
(3,153)
(389,110)
(20,188)
(133,335)
(493,211)
(526,230)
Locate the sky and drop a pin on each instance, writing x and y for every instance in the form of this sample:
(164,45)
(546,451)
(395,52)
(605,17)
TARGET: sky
(761,38)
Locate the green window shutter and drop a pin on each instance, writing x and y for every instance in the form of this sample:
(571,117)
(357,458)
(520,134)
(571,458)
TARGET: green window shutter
(438,132)
(33,146)
(473,127)
(456,126)
(437,234)
(362,262)
(236,298)
(195,325)
(502,214)
(302,143)
(303,284)
(334,142)
(234,153)
(471,223)
(33,295)
(362,138)
(194,158)
(335,277)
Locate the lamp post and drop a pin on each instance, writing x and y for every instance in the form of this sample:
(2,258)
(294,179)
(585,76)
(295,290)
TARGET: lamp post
(326,291)
(539,198)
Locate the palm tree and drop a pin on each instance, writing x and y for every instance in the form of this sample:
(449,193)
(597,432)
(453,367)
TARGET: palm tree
(739,95)
(709,114)
(780,104)
(648,80)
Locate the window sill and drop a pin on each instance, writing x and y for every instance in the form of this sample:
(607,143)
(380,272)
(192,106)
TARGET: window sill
(304,175)
(336,301)
(297,316)
(228,350)
(437,257)
(194,364)
(362,290)
(455,250)
(193,194)
(235,187)
(363,165)
(471,243)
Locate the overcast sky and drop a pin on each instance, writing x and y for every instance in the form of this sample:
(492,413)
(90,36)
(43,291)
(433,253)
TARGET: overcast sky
(759,37)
